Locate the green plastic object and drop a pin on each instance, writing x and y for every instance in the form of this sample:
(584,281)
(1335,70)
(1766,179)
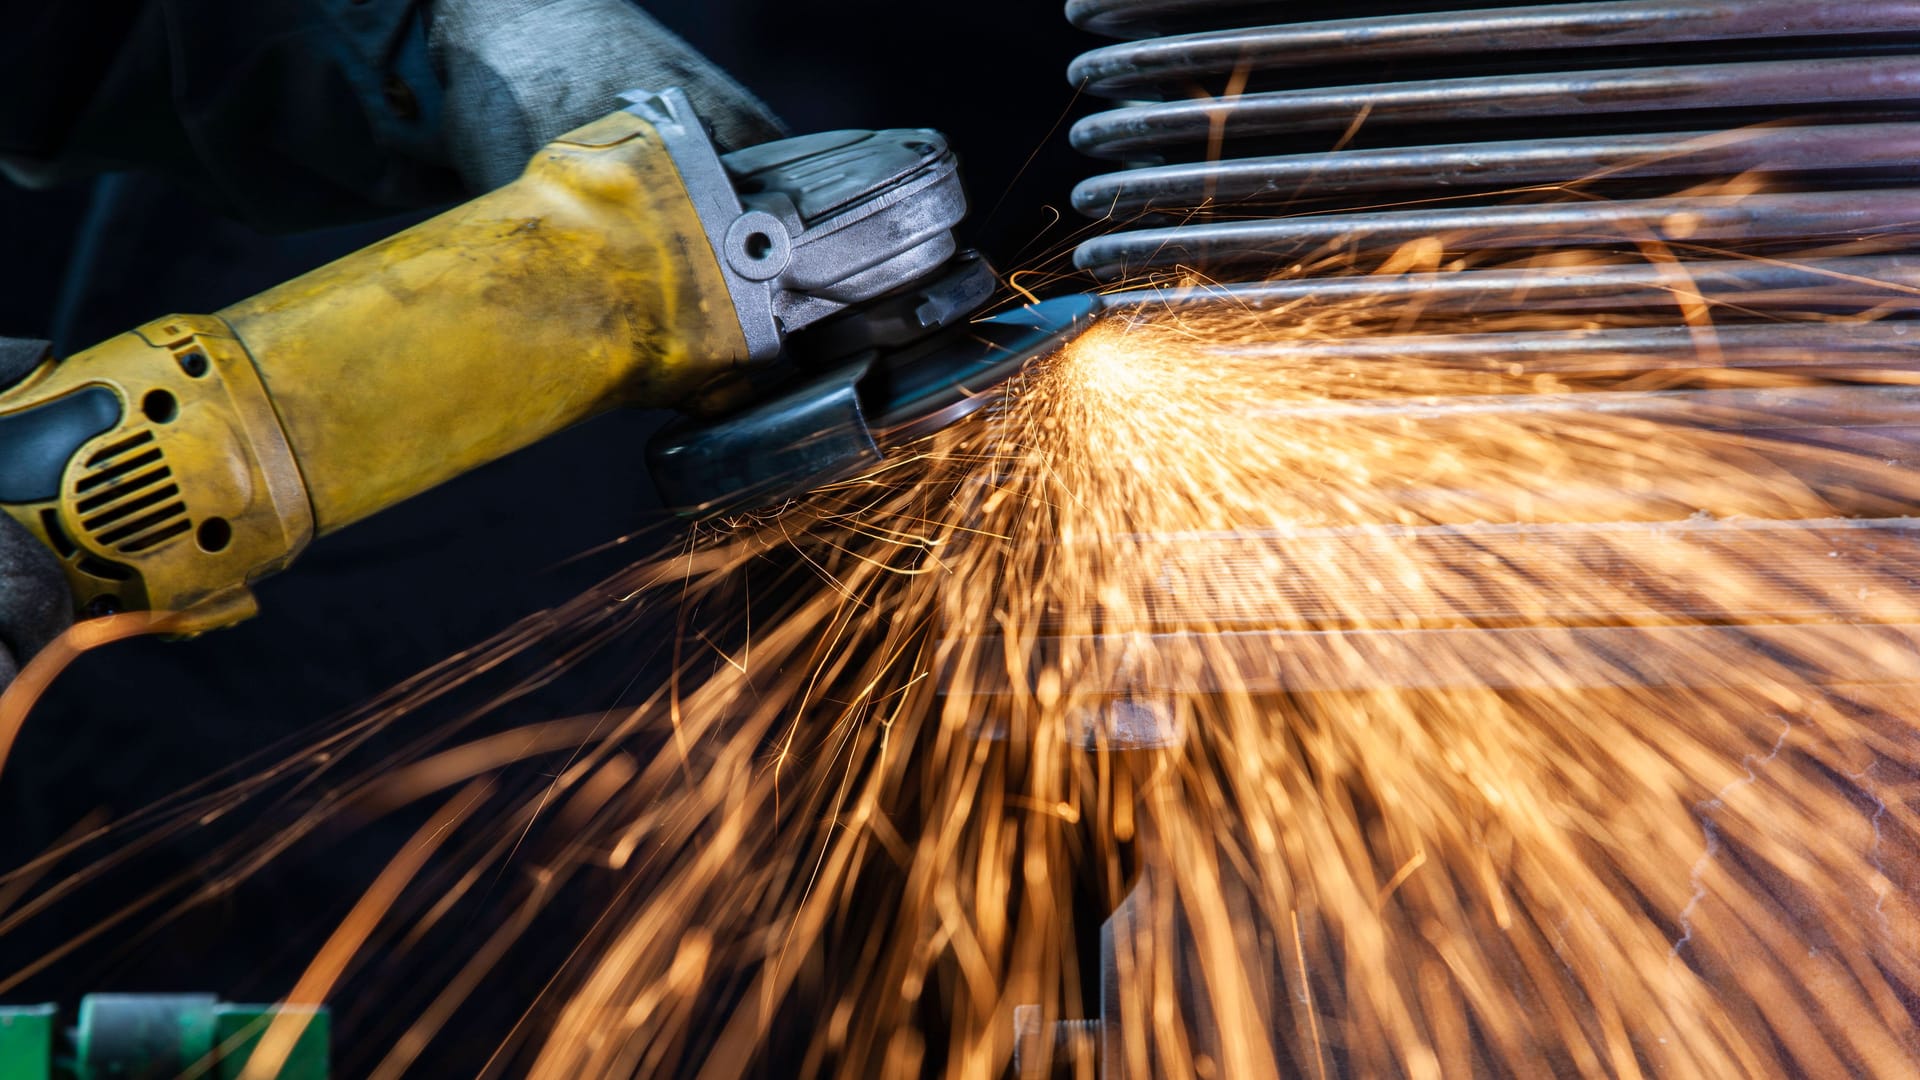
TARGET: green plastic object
(26,1042)
(157,1037)
(237,1030)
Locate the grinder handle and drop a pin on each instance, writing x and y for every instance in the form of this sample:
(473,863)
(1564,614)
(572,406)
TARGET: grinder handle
(171,466)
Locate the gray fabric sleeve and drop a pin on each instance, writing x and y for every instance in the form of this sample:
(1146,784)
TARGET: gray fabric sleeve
(520,72)
(35,605)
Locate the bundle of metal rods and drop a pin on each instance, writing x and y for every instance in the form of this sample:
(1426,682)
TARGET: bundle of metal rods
(1702,214)
(1267,139)
(1623,258)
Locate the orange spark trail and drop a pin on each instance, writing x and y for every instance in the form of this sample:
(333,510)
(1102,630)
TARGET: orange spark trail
(1410,712)
(1429,720)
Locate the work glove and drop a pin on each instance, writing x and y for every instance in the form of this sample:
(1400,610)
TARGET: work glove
(518,73)
(35,605)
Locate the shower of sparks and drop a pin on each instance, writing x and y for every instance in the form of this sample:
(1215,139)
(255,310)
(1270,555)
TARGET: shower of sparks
(1421,714)
(1443,720)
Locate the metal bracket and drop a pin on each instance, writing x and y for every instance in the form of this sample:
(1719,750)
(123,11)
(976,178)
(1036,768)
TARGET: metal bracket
(806,227)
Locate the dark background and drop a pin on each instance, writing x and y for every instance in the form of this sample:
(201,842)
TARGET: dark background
(363,610)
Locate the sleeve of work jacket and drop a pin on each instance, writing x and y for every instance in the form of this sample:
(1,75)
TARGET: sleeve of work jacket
(34,602)
(287,113)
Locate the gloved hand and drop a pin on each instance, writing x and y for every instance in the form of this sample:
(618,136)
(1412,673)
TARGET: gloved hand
(35,604)
(520,72)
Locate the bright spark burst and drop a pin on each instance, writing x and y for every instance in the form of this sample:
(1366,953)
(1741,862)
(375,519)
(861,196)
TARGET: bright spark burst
(1421,716)
(1441,721)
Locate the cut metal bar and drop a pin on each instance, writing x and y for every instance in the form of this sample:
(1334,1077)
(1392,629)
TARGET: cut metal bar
(1890,282)
(1886,349)
(1611,573)
(1712,219)
(1143,129)
(1136,68)
(1540,659)
(1442,170)
(1717,409)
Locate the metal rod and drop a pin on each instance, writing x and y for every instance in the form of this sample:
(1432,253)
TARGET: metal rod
(1701,220)
(1439,576)
(1889,282)
(1885,350)
(1137,68)
(1536,659)
(1443,170)
(1143,129)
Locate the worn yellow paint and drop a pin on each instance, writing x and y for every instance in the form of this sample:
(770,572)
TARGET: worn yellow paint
(584,285)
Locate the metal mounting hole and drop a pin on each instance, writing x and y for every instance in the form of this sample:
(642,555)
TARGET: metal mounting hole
(757,245)
(160,406)
(214,535)
(194,364)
